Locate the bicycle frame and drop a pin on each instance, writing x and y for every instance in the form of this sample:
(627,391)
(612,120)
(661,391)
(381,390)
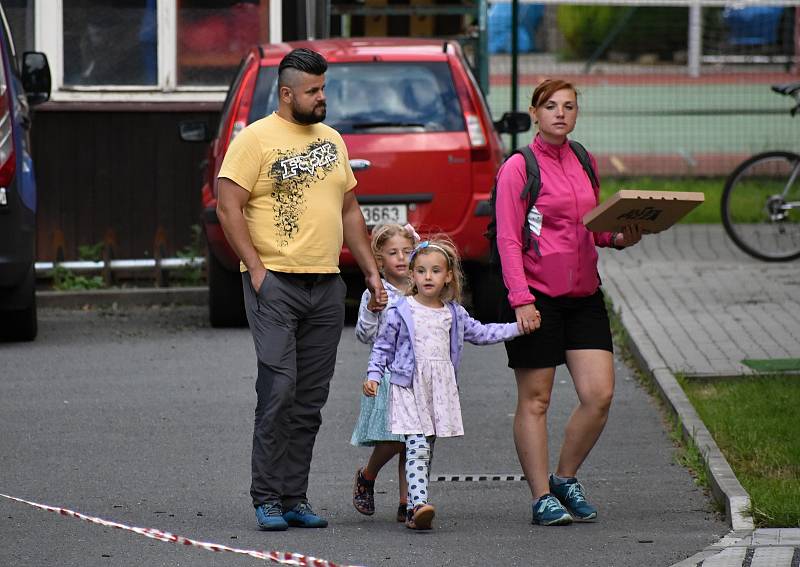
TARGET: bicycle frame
(777,206)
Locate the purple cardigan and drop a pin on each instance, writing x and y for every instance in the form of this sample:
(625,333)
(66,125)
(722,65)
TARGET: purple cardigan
(394,347)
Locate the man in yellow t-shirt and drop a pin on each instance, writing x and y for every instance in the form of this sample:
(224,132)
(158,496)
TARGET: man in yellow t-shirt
(286,204)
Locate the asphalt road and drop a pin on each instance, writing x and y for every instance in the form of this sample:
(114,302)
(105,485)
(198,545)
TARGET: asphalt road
(143,416)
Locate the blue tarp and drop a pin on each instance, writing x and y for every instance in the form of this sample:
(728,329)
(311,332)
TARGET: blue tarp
(529,17)
(753,25)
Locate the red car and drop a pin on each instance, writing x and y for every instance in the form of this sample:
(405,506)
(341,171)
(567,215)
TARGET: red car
(419,134)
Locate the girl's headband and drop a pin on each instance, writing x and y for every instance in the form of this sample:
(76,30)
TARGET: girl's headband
(429,244)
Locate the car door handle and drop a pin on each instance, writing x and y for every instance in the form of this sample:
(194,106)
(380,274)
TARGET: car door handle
(359,164)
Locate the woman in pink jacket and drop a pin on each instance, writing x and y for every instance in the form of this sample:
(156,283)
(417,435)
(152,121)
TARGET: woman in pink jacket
(556,274)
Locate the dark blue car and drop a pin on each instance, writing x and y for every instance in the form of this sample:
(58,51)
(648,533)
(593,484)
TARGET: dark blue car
(23,83)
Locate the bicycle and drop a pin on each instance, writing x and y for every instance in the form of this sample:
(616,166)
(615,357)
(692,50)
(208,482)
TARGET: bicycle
(761,200)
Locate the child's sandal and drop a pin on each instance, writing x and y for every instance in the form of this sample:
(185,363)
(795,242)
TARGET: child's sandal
(401,512)
(421,517)
(364,494)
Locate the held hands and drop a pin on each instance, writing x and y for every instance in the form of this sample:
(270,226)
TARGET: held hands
(378,296)
(630,235)
(528,318)
(370,388)
(379,304)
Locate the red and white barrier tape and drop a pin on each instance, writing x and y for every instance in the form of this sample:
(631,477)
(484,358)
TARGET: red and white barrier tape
(281,557)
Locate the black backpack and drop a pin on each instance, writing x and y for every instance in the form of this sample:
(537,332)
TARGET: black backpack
(530,192)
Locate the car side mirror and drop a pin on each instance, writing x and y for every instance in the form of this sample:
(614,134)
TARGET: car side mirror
(36,77)
(513,123)
(194,131)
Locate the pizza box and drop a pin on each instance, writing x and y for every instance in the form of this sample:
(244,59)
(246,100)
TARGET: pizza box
(654,211)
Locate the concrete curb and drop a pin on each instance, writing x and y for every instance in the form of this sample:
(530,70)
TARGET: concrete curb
(724,484)
(127,297)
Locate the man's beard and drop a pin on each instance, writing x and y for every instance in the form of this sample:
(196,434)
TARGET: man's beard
(309,118)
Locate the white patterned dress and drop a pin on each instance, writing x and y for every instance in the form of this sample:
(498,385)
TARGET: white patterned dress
(430,406)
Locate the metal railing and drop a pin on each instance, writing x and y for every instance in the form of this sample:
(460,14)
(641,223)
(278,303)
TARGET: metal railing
(88,266)
(159,269)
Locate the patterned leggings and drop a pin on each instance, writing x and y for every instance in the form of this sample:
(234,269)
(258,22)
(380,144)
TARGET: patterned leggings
(419,456)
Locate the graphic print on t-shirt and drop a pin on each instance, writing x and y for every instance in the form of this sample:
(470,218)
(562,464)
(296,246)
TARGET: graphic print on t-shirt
(293,173)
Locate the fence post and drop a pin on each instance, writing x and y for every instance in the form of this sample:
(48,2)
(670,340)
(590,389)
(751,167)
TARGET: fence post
(514,64)
(59,253)
(482,59)
(109,245)
(695,38)
(796,66)
(159,252)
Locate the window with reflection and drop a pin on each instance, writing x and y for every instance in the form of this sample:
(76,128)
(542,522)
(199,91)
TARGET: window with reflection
(214,34)
(110,42)
(366,98)
(19,14)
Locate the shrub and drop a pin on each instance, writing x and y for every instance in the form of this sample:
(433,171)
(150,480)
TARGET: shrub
(659,30)
(584,27)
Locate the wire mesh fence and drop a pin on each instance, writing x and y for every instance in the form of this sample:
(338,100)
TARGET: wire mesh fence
(667,87)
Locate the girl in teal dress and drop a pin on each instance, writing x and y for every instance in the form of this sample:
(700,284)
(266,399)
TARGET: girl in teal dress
(392,245)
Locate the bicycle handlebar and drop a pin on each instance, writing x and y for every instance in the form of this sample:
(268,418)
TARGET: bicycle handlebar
(790,89)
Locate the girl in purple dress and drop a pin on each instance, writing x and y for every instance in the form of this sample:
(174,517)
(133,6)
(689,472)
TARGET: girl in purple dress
(420,346)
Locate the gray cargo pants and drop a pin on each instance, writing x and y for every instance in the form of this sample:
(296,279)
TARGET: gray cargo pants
(296,321)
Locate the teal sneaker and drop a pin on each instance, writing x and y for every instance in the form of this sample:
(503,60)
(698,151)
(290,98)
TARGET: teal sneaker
(572,495)
(548,511)
(302,516)
(270,517)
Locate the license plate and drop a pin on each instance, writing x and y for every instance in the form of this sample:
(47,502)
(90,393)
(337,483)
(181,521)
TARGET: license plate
(381,214)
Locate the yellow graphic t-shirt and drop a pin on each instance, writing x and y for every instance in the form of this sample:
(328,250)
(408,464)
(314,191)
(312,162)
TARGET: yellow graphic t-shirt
(297,176)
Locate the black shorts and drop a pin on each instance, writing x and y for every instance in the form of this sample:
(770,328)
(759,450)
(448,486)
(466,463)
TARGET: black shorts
(568,323)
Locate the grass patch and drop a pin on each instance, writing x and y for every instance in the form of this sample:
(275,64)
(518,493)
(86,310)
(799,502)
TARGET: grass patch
(707,213)
(191,274)
(755,421)
(67,280)
(773,365)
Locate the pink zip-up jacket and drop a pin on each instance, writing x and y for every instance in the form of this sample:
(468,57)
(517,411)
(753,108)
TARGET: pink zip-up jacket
(568,262)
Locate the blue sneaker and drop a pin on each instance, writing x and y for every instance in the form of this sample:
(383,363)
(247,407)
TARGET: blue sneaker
(572,495)
(548,511)
(302,516)
(270,517)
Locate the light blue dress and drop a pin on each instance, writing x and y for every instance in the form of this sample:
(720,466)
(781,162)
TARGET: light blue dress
(372,425)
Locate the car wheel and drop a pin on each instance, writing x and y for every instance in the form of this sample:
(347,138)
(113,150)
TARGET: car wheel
(488,294)
(225,295)
(22,324)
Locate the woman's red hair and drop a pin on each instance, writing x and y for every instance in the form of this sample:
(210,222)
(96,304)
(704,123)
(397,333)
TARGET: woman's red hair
(548,88)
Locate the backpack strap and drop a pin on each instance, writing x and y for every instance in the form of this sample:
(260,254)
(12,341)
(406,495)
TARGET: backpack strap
(529,193)
(533,183)
(583,157)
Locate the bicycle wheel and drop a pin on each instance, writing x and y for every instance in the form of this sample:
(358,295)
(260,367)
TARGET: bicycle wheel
(761,206)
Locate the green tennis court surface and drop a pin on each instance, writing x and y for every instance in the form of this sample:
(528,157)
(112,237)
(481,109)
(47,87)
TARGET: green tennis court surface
(683,118)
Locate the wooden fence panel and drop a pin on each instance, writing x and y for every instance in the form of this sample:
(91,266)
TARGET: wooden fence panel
(124,173)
